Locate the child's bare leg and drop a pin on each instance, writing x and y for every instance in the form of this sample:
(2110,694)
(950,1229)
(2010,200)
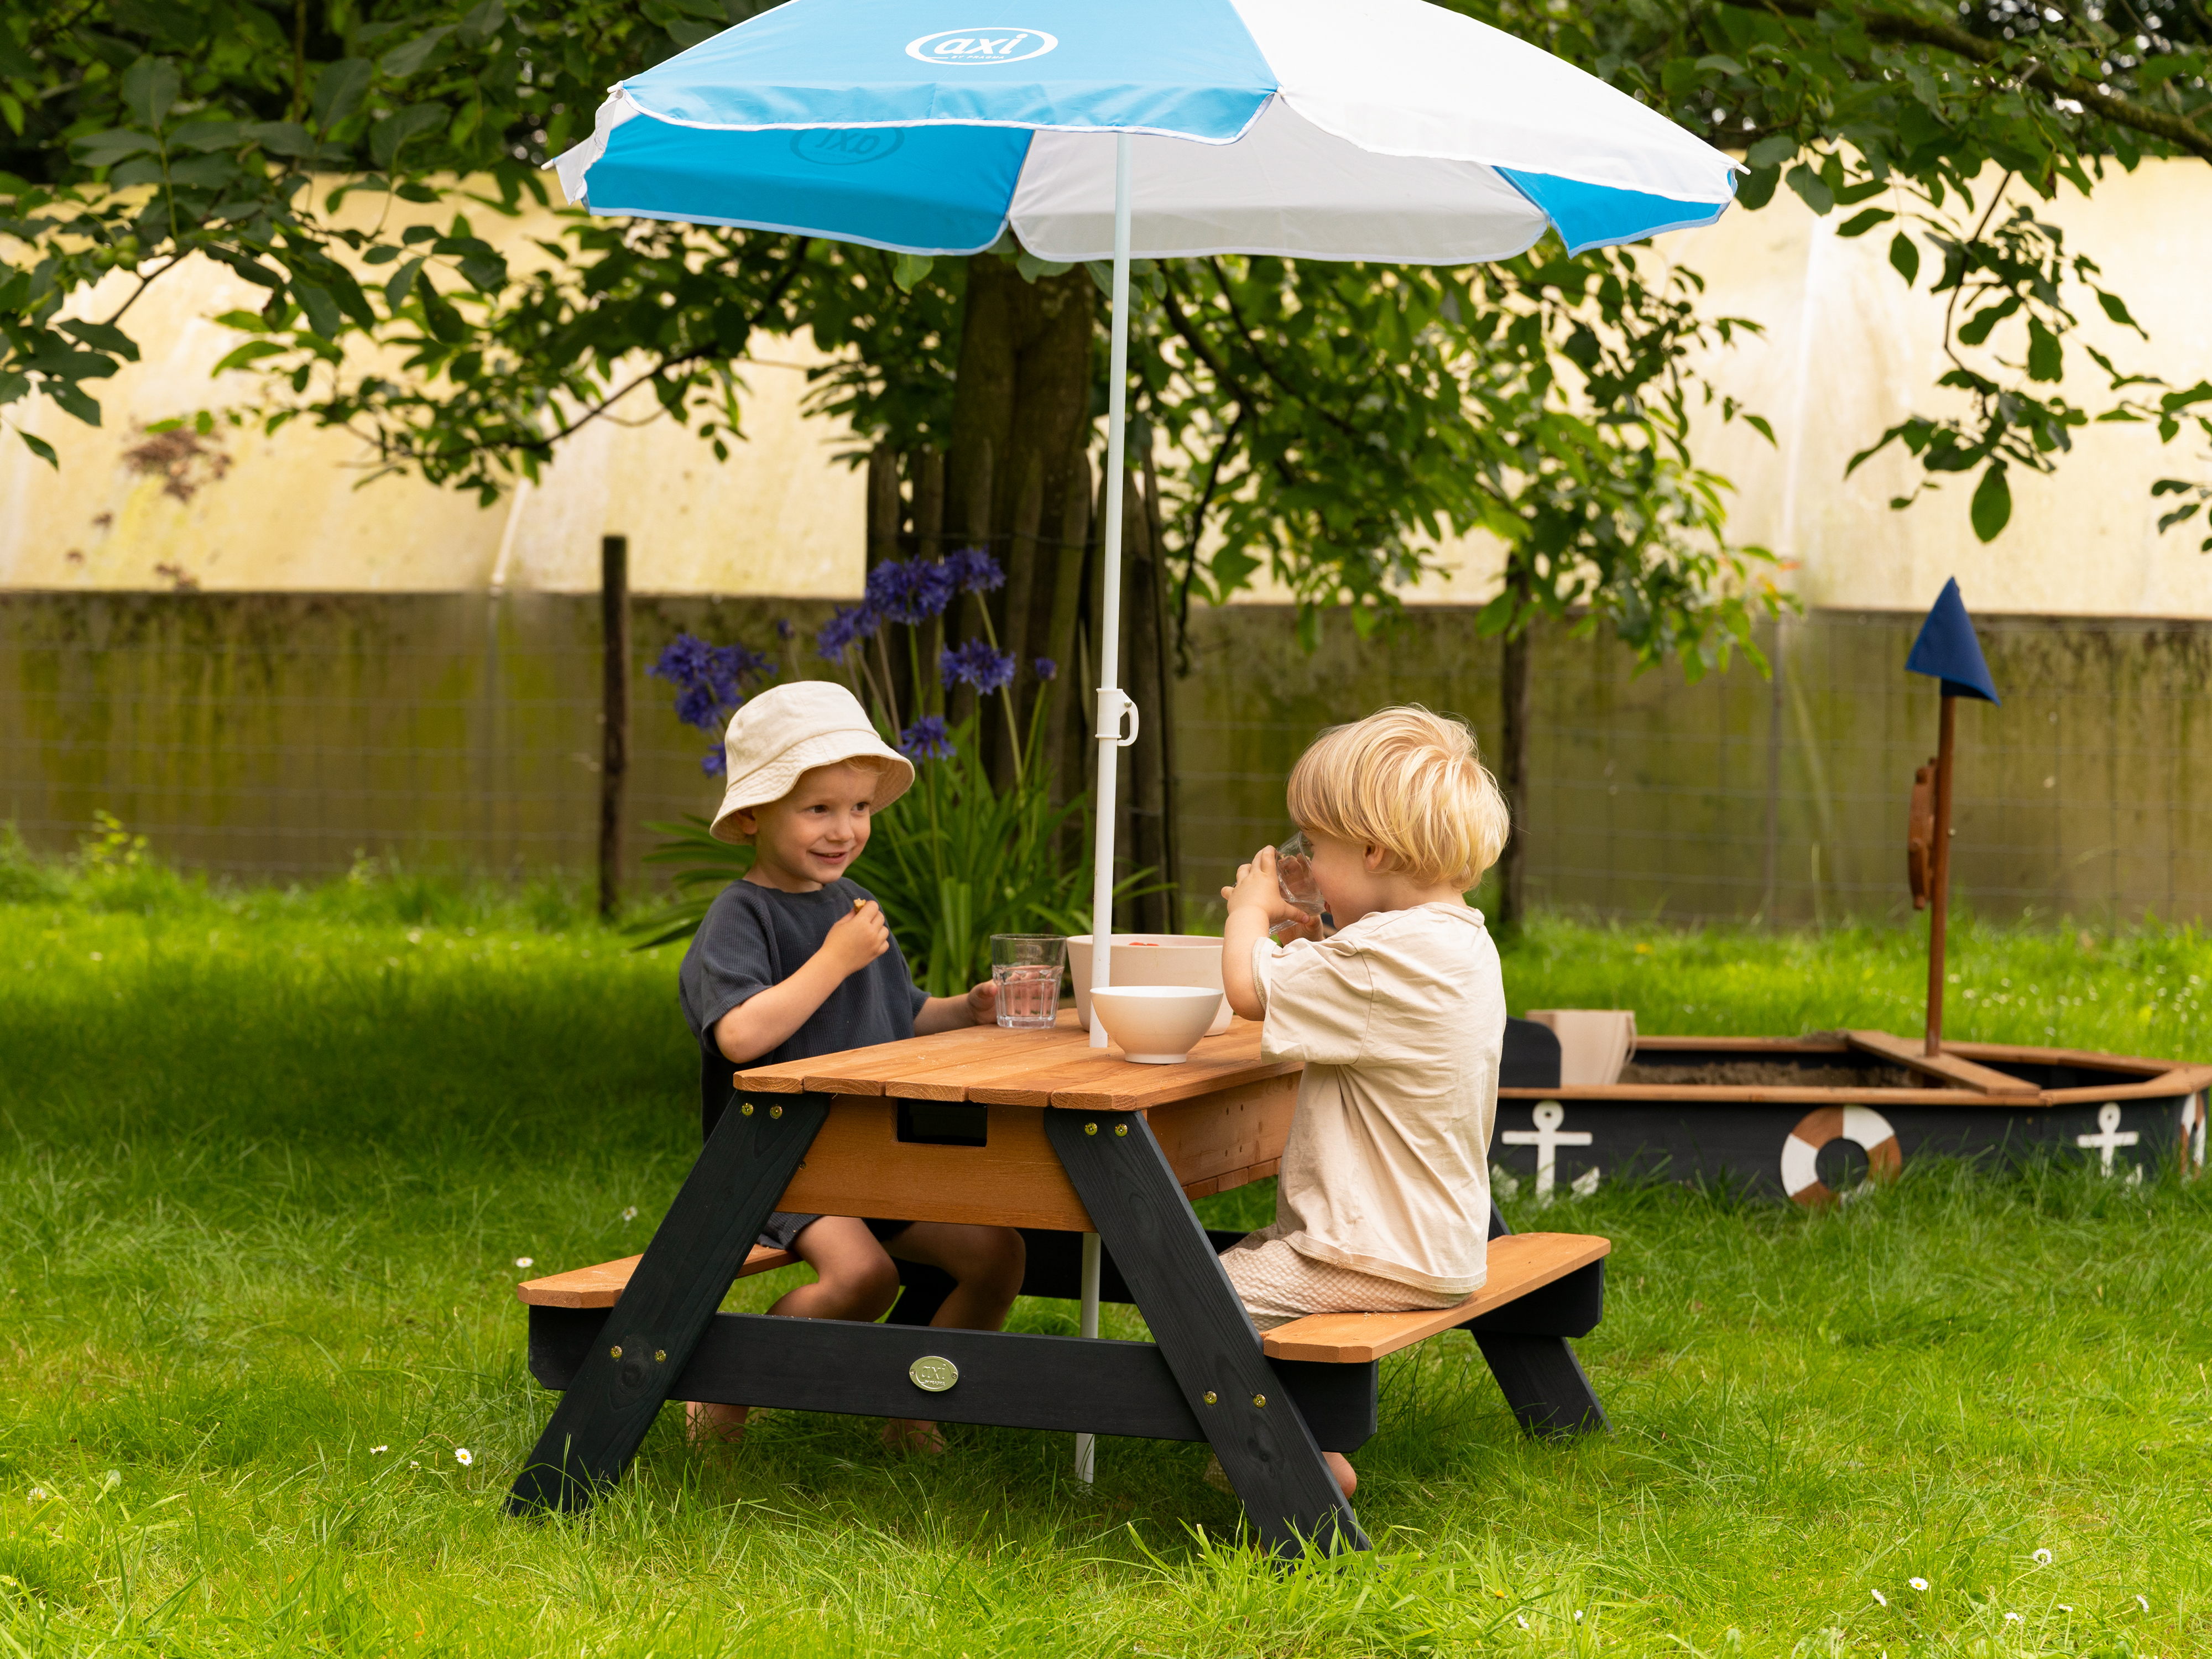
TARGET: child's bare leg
(986,1265)
(853,1279)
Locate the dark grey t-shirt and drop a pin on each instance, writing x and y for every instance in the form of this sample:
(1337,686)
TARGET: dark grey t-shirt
(755,937)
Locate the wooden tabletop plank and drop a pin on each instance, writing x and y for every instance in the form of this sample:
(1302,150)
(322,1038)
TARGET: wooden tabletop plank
(1518,1263)
(601,1285)
(1056,1068)
(1951,1067)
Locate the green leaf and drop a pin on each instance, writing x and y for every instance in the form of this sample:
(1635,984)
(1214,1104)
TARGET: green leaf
(209,135)
(104,336)
(1812,189)
(403,61)
(482,22)
(339,92)
(401,282)
(386,136)
(105,149)
(1992,505)
(2180,515)
(150,88)
(1724,65)
(1861,223)
(1758,423)
(2045,361)
(687,32)
(1904,255)
(282,138)
(252,352)
(1773,151)
(2116,309)
(72,397)
(445,322)
(41,448)
(910,268)
(1757,188)
(322,310)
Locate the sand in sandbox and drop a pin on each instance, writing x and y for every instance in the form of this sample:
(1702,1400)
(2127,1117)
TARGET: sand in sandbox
(1772,1073)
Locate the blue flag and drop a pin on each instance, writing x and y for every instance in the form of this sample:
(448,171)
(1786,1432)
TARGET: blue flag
(1947,650)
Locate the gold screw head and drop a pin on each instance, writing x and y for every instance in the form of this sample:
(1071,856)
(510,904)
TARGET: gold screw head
(615,1352)
(1120,1128)
(776,1111)
(660,1356)
(1090,1129)
(1260,1399)
(745,1110)
(1211,1397)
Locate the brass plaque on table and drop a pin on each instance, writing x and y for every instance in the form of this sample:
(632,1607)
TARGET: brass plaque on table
(932,1373)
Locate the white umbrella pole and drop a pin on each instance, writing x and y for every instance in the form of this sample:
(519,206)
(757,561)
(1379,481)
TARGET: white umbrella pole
(1112,700)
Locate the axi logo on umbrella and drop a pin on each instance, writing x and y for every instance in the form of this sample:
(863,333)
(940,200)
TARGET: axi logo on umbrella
(996,45)
(845,147)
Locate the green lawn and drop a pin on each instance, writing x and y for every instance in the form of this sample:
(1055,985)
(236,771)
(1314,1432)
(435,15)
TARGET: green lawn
(267,1162)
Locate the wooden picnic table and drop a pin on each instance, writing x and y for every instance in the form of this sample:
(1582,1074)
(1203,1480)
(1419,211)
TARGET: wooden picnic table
(1034,1129)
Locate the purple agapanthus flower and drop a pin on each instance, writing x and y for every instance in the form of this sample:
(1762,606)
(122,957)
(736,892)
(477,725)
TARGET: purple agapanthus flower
(909,591)
(926,739)
(976,663)
(973,570)
(714,761)
(784,629)
(846,629)
(1046,669)
(709,680)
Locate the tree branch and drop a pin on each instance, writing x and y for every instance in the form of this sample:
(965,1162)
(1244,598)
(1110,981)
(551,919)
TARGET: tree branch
(1948,37)
(776,292)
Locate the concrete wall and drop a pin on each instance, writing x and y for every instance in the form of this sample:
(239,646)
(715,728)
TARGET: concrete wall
(275,733)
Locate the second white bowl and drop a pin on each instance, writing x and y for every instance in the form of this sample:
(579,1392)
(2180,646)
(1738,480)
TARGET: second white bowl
(1155,1024)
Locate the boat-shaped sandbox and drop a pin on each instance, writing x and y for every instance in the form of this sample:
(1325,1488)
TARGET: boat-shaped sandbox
(1810,1118)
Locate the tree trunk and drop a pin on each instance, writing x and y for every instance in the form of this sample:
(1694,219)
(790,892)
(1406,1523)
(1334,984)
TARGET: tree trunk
(1513,769)
(1152,839)
(1017,475)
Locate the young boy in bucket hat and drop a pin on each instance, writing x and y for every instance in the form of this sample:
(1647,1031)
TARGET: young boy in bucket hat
(795,961)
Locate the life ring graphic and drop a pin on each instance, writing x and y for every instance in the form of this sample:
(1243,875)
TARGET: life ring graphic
(1861,1125)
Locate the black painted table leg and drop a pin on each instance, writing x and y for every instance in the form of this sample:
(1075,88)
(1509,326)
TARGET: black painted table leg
(1539,1377)
(687,1270)
(1178,1284)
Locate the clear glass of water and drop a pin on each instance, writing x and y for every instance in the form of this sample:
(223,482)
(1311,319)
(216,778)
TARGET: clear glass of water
(1027,969)
(1294,874)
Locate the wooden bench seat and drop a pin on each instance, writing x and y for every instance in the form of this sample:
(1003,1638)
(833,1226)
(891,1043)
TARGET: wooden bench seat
(601,1286)
(1518,1263)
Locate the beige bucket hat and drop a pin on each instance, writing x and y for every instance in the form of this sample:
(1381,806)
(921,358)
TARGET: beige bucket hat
(789,730)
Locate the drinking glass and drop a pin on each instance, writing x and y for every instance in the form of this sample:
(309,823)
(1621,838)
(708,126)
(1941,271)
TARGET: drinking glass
(1026,967)
(1294,874)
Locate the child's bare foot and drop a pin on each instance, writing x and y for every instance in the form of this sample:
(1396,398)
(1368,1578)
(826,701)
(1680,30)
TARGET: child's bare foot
(912,1434)
(710,1423)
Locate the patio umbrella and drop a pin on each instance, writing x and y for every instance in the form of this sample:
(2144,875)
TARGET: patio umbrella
(1391,130)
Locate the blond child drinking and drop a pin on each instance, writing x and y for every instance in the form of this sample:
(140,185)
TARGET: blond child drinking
(796,961)
(1384,1203)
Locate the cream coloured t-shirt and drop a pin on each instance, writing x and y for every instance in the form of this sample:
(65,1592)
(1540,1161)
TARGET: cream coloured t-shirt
(1400,1019)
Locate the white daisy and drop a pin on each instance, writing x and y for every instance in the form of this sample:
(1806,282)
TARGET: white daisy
(1917,1583)
(525,1261)
(630,1214)
(464,1457)
(378,1451)
(1879,1599)
(2043,1557)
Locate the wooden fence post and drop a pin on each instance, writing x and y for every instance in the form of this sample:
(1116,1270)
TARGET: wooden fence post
(614,762)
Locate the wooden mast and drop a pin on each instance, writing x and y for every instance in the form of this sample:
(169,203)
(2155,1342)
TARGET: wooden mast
(1939,899)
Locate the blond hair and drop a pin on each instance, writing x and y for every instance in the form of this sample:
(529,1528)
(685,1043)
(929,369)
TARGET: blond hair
(1407,781)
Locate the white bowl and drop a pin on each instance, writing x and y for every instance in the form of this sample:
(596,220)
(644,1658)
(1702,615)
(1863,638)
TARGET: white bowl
(1192,960)
(1155,1024)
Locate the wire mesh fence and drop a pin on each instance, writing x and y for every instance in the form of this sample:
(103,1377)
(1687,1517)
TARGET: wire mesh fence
(279,735)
